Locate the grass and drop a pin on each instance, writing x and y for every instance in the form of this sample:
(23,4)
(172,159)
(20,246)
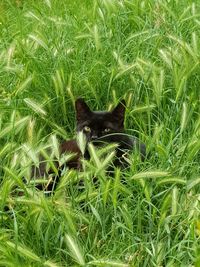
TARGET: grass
(52,52)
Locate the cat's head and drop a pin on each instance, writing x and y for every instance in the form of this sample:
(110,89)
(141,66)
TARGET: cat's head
(96,124)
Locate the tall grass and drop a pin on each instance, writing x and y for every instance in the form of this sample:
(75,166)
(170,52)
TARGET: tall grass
(52,52)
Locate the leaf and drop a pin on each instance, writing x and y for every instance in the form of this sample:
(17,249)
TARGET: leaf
(16,126)
(23,85)
(96,214)
(108,263)
(116,188)
(150,174)
(25,252)
(75,250)
(192,183)
(172,180)
(35,106)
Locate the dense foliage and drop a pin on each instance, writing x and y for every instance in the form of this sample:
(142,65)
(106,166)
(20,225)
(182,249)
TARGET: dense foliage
(147,52)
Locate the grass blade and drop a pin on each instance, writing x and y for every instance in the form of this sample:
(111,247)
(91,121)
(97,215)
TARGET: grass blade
(75,250)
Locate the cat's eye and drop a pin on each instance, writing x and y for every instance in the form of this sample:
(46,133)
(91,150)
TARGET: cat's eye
(87,129)
(107,130)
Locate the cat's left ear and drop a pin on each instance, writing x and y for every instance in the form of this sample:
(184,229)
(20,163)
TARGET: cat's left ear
(83,112)
(119,112)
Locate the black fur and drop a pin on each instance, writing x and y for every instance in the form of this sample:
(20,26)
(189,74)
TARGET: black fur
(99,127)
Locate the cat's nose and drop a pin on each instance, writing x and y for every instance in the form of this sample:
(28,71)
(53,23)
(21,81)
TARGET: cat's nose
(94,136)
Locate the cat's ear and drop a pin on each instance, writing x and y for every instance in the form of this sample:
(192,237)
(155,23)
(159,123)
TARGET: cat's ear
(82,110)
(119,112)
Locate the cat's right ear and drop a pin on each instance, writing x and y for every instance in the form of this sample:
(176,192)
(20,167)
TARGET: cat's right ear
(82,110)
(119,112)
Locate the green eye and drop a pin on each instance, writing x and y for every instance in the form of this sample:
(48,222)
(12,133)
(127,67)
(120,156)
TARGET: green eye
(106,130)
(87,129)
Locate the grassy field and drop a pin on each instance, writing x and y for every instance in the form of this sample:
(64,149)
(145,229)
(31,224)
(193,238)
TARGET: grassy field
(147,52)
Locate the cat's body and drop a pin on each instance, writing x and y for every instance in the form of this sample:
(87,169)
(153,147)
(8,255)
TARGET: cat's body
(99,127)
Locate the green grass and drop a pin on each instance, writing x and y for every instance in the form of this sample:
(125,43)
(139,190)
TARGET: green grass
(148,52)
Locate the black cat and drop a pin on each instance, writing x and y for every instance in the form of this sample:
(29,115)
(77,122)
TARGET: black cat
(99,127)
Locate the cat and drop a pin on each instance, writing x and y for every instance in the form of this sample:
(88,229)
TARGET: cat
(98,127)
